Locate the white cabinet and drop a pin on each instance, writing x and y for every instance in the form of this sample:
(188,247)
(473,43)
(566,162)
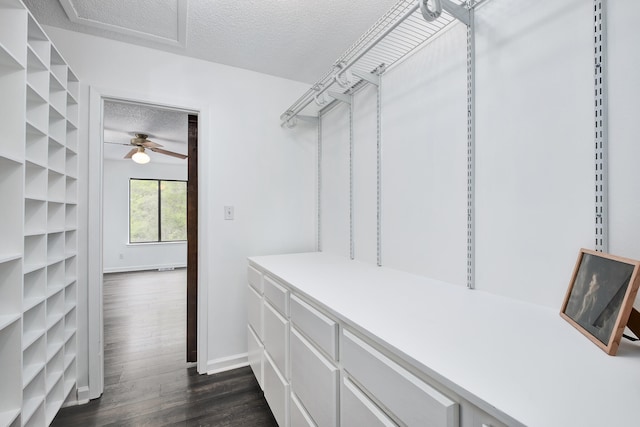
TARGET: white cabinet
(322,330)
(277,295)
(356,409)
(255,354)
(314,380)
(38,162)
(410,399)
(254,311)
(276,338)
(276,392)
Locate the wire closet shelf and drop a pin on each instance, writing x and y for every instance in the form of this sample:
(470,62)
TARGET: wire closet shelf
(404,28)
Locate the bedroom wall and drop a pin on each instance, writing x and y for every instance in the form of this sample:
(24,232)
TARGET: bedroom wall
(119,255)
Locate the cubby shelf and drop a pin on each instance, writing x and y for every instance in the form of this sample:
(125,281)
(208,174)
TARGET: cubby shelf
(38,234)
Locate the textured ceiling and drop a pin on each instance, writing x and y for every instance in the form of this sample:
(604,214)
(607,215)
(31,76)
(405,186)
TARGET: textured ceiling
(166,127)
(294,39)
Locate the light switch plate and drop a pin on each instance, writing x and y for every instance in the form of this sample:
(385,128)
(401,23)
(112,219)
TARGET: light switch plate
(228,212)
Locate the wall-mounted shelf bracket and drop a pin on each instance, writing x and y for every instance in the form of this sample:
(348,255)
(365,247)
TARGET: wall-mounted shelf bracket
(372,78)
(340,97)
(459,12)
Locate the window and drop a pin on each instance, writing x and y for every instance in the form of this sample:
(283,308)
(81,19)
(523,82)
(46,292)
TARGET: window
(157,211)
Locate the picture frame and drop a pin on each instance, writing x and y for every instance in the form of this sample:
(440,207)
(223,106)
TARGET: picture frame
(600,297)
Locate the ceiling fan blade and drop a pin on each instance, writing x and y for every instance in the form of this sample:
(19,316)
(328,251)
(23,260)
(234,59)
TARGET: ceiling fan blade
(117,143)
(131,153)
(168,153)
(150,144)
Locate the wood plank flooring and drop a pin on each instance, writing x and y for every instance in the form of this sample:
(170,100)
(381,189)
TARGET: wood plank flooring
(147,381)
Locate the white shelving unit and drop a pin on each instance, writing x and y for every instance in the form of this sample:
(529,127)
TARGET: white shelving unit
(38,249)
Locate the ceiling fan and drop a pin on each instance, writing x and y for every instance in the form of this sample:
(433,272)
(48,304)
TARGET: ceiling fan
(140,142)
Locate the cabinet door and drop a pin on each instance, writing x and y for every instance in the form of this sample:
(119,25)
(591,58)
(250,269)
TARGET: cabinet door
(314,380)
(410,399)
(358,410)
(276,392)
(277,295)
(255,279)
(255,355)
(276,338)
(299,416)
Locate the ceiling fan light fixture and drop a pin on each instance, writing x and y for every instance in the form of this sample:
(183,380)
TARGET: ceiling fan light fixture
(141,157)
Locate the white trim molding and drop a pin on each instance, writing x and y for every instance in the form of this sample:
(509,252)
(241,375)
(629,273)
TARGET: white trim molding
(228,363)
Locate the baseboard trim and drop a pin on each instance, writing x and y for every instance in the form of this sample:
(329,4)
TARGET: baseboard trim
(141,268)
(227,363)
(83,395)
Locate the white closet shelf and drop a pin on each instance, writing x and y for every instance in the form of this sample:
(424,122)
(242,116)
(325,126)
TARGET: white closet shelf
(8,417)
(8,319)
(30,372)
(8,60)
(9,257)
(394,36)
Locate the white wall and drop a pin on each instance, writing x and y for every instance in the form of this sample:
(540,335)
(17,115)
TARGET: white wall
(534,151)
(119,255)
(267,173)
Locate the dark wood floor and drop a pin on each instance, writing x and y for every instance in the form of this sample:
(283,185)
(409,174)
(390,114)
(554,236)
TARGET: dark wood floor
(147,381)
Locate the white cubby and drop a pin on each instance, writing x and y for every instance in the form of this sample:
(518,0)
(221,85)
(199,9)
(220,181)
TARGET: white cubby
(70,243)
(72,190)
(37,75)
(72,110)
(35,182)
(38,41)
(54,369)
(13,31)
(73,85)
(35,252)
(70,375)
(36,146)
(34,324)
(55,216)
(72,137)
(56,187)
(57,95)
(70,296)
(10,286)
(54,400)
(37,110)
(10,229)
(55,247)
(37,419)
(35,288)
(71,215)
(70,324)
(55,308)
(33,401)
(11,384)
(57,126)
(55,277)
(57,156)
(71,269)
(55,338)
(71,164)
(11,114)
(33,360)
(35,217)
(58,67)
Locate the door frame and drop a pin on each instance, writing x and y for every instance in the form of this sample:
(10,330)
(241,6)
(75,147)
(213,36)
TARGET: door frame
(95,326)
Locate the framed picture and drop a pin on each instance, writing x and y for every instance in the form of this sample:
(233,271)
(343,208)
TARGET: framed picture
(600,297)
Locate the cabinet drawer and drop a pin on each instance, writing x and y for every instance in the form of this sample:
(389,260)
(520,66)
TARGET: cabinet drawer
(357,410)
(314,380)
(315,325)
(276,338)
(255,355)
(276,392)
(254,311)
(473,416)
(276,294)
(298,415)
(411,400)
(255,279)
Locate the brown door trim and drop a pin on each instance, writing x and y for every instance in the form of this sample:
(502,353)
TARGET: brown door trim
(192,241)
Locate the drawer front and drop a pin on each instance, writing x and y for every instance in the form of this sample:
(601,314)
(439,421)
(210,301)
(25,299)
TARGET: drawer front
(276,392)
(314,380)
(276,338)
(473,416)
(411,400)
(277,294)
(315,325)
(358,410)
(255,279)
(255,355)
(299,417)
(254,311)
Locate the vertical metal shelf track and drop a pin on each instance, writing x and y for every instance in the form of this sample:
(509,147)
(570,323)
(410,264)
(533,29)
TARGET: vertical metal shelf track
(601,127)
(471,150)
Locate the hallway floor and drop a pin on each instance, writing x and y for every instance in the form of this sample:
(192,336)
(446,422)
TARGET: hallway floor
(147,381)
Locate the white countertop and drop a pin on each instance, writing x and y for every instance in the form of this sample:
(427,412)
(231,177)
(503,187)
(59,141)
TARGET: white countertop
(520,358)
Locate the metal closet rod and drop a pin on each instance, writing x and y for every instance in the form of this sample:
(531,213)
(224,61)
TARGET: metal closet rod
(430,14)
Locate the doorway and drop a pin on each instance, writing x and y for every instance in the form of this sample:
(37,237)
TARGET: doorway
(195,324)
